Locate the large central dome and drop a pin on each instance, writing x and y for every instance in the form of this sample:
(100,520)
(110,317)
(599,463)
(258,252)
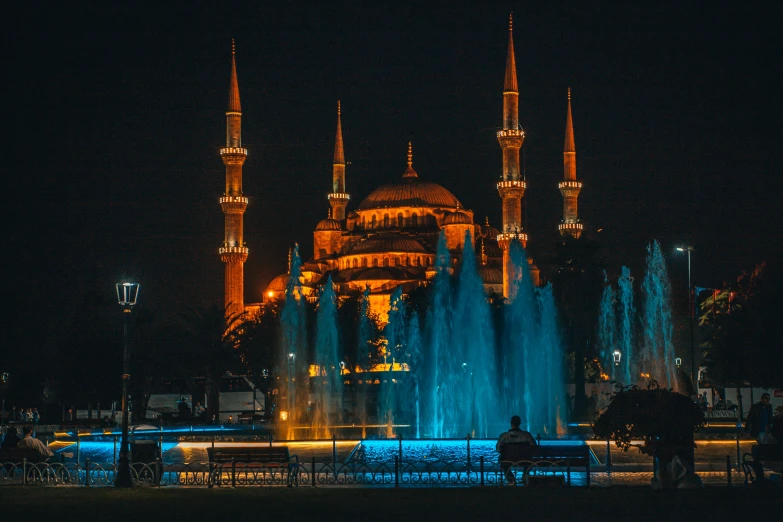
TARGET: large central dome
(410,192)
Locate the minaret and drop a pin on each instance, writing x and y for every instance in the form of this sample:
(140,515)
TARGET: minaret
(233,252)
(570,187)
(512,187)
(338,199)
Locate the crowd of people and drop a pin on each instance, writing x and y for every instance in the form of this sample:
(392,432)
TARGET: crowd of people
(29,415)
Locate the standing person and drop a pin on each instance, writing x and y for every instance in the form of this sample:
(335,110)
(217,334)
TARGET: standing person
(759,419)
(28,441)
(513,436)
(594,401)
(36,416)
(21,415)
(198,410)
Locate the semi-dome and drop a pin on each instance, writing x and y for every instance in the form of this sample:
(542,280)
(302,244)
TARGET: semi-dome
(458,218)
(410,192)
(328,224)
(387,243)
(278,284)
(491,275)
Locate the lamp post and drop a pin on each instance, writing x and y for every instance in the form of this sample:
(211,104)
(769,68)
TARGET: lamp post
(126,297)
(3,383)
(694,371)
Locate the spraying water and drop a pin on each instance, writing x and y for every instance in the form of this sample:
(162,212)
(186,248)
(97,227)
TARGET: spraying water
(328,387)
(293,350)
(627,315)
(658,351)
(607,326)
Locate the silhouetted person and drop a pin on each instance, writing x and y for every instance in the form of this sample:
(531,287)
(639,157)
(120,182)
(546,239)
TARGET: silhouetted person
(184,410)
(513,436)
(759,419)
(31,442)
(11,439)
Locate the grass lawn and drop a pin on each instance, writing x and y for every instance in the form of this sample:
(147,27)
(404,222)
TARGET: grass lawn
(348,503)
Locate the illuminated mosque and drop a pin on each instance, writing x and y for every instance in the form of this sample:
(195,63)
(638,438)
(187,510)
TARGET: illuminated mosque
(390,238)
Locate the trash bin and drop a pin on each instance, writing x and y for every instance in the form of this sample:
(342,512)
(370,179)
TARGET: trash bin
(145,455)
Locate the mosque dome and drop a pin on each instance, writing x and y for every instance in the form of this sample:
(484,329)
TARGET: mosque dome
(387,243)
(491,275)
(458,218)
(410,192)
(328,224)
(278,284)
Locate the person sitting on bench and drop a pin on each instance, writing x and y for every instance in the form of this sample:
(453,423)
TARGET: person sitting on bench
(28,441)
(513,436)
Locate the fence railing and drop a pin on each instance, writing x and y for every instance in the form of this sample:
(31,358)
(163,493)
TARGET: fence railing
(394,473)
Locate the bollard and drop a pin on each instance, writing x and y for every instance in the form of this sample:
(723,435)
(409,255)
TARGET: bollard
(468,450)
(213,441)
(481,469)
(270,439)
(396,472)
(312,473)
(728,470)
(608,457)
(87,473)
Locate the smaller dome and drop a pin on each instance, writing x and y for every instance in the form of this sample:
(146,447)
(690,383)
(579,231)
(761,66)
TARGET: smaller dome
(278,284)
(387,243)
(491,275)
(328,224)
(457,218)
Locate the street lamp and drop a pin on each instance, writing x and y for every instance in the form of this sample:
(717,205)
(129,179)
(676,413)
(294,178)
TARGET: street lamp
(694,372)
(616,357)
(678,362)
(126,297)
(3,383)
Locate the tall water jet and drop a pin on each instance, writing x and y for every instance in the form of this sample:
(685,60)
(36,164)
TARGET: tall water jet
(520,335)
(439,362)
(292,362)
(550,397)
(474,348)
(363,339)
(607,326)
(414,360)
(328,386)
(658,350)
(395,349)
(627,316)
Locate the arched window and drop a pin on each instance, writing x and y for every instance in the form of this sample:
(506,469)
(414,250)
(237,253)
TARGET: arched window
(404,260)
(375,261)
(385,261)
(415,219)
(364,262)
(386,221)
(355,262)
(396,261)
(374,222)
(427,261)
(400,222)
(418,260)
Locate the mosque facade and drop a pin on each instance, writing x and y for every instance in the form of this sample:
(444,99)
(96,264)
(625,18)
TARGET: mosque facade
(390,238)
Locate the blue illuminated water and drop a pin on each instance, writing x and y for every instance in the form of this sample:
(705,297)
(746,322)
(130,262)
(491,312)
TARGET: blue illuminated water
(104,452)
(328,389)
(292,361)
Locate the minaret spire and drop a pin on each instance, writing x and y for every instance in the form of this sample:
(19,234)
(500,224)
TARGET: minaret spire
(570,187)
(409,172)
(512,186)
(338,199)
(233,252)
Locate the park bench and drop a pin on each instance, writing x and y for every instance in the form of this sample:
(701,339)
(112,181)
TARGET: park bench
(769,455)
(526,456)
(272,458)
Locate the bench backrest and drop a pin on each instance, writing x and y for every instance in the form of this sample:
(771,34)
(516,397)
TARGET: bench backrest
(16,455)
(518,452)
(260,454)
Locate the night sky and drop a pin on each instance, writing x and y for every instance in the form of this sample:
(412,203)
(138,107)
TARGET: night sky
(115,114)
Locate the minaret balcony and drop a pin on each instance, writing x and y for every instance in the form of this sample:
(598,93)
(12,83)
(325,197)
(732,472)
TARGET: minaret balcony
(570,189)
(505,239)
(574,229)
(233,204)
(512,188)
(511,133)
(233,151)
(233,250)
(338,195)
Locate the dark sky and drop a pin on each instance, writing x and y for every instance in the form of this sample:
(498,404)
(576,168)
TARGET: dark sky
(116,114)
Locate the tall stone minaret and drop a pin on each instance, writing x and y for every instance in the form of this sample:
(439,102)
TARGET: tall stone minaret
(338,198)
(512,187)
(570,187)
(233,252)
